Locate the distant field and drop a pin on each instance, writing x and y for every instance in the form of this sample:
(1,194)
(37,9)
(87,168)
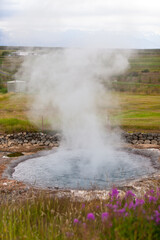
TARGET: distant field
(142,76)
(138,112)
(133,113)
(138,90)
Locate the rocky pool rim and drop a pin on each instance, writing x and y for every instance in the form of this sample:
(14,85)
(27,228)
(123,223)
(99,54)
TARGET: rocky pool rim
(153,154)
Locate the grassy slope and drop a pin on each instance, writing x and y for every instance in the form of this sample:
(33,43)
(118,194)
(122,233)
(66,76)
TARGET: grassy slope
(139,112)
(134,112)
(13,113)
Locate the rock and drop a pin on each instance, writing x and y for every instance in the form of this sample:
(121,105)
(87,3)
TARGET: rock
(47,143)
(154,142)
(150,138)
(57,137)
(147,142)
(41,144)
(140,142)
(51,145)
(56,145)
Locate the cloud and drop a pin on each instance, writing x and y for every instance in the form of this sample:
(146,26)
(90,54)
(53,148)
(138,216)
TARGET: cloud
(26,19)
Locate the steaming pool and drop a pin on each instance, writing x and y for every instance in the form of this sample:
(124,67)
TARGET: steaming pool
(79,170)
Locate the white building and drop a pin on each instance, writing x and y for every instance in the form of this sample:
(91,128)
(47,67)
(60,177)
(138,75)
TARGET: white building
(16,86)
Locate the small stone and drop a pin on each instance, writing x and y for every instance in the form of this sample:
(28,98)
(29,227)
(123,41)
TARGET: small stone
(9,144)
(135,138)
(47,143)
(51,144)
(134,141)
(154,142)
(57,137)
(56,145)
(41,144)
(147,142)
(150,138)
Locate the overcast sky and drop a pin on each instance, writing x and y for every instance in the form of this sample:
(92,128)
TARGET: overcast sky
(78,23)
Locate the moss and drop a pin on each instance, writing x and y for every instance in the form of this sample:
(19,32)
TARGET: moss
(15,154)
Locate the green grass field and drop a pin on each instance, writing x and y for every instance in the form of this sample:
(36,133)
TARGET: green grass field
(138,112)
(138,90)
(133,113)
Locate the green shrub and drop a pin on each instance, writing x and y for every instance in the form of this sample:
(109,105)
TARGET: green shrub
(5,53)
(3,90)
(145,71)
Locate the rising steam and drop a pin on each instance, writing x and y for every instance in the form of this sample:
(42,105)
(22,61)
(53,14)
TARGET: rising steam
(69,85)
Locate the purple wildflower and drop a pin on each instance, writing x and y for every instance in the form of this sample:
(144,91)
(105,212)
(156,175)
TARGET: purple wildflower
(114,206)
(126,214)
(126,205)
(114,193)
(151,191)
(152,199)
(69,234)
(118,203)
(139,202)
(150,218)
(84,225)
(129,194)
(131,205)
(109,205)
(76,220)
(121,210)
(158,220)
(104,216)
(83,205)
(90,216)
(157,213)
(110,224)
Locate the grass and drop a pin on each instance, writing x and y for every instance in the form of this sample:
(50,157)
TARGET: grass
(137,88)
(138,112)
(10,125)
(13,113)
(114,219)
(138,92)
(133,113)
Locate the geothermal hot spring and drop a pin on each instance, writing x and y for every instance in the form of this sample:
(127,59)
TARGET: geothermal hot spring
(90,153)
(76,169)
